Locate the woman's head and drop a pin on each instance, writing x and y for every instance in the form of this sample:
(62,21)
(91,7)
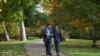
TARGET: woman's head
(56,27)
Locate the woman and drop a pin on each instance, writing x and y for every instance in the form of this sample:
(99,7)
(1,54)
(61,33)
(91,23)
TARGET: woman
(57,38)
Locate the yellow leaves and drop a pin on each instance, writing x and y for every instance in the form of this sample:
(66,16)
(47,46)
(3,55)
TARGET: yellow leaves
(1,28)
(80,24)
(50,6)
(0,10)
(4,1)
(47,6)
(57,5)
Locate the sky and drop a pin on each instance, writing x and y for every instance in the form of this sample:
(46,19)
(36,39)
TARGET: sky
(40,8)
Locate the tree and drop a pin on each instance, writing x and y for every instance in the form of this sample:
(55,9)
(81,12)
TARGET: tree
(86,11)
(6,36)
(12,11)
(81,15)
(34,21)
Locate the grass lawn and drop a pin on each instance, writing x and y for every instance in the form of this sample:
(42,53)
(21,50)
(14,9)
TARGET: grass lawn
(79,48)
(71,47)
(15,47)
(12,50)
(34,39)
(13,41)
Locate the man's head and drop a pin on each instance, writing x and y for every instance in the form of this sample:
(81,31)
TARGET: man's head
(49,25)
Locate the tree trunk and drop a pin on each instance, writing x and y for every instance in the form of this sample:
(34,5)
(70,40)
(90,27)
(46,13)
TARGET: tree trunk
(6,36)
(94,40)
(22,32)
(94,43)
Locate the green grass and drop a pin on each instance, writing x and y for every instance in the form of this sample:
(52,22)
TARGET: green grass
(13,41)
(33,38)
(79,48)
(81,51)
(12,50)
(15,47)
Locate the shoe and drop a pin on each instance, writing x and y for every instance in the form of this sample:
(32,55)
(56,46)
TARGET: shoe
(58,54)
(50,54)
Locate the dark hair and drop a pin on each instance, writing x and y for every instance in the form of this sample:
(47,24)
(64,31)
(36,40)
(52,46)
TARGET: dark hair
(48,24)
(56,25)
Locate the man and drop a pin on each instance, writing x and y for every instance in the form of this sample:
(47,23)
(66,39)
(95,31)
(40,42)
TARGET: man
(47,38)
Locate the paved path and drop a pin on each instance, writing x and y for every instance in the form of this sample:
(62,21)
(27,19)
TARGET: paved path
(37,49)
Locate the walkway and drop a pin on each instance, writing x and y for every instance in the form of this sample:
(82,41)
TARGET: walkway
(37,49)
